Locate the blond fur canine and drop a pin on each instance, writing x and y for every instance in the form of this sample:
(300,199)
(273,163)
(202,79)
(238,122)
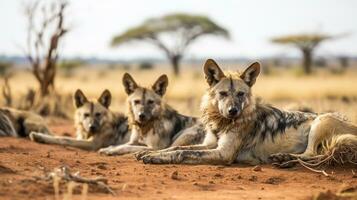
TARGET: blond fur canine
(154,124)
(243,131)
(96,125)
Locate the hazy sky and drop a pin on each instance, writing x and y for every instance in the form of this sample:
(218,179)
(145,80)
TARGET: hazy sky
(251,24)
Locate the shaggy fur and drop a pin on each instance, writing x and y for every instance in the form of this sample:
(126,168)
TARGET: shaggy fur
(96,125)
(154,124)
(241,130)
(19,123)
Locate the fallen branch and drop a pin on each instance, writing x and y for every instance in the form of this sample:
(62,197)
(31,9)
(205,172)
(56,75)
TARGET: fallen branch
(64,173)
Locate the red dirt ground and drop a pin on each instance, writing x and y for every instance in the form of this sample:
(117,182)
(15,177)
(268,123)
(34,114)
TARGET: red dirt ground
(21,160)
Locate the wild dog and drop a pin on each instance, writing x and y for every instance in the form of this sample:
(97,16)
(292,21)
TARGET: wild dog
(96,125)
(154,124)
(241,130)
(19,123)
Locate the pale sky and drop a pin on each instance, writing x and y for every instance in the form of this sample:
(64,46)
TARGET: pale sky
(251,24)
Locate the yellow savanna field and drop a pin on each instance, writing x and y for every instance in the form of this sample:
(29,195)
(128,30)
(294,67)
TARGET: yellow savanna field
(323,91)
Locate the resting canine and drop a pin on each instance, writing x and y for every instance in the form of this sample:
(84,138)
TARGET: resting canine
(154,124)
(241,130)
(18,123)
(96,125)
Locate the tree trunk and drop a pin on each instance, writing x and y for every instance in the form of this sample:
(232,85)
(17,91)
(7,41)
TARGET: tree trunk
(45,88)
(307,60)
(47,85)
(175,62)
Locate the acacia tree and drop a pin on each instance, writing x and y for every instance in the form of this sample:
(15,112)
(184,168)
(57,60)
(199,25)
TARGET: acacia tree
(306,43)
(172,34)
(44,33)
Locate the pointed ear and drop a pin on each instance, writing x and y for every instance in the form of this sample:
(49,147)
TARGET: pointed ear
(160,85)
(105,98)
(251,73)
(213,73)
(79,98)
(129,84)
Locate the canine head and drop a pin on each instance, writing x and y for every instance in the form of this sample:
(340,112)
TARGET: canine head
(230,94)
(91,115)
(144,103)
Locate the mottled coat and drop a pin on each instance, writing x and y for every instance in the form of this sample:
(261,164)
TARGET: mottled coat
(19,123)
(96,125)
(241,130)
(154,124)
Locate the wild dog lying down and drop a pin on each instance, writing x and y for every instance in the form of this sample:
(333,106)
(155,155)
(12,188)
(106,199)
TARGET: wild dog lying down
(19,123)
(154,124)
(96,125)
(241,130)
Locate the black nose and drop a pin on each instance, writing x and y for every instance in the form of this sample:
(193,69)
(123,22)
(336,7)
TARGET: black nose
(141,116)
(232,111)
(92,128)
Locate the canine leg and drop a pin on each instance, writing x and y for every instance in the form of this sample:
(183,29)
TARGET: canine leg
(190,136)
(225,153)
(213,156)
(64,141)
(209,142)
(35,125)
(323,129)
(122,149)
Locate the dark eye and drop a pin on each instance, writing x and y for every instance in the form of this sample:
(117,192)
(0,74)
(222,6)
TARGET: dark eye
(98,114)
(136,102)
(86,115)
(223,94)
(240,94)
(150,101)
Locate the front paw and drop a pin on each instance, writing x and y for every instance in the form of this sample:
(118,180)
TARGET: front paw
(36,137)
(283,160)
(154,158)
(108,151)
(139,155)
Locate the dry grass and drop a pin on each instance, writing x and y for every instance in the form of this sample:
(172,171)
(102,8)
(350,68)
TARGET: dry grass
(322,91)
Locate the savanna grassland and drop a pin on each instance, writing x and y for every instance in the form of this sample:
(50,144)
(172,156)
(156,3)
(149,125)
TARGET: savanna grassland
(22,160)
(323,91)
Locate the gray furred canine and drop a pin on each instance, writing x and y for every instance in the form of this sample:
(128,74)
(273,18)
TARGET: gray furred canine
(96,125)
(155,125)
(241,130)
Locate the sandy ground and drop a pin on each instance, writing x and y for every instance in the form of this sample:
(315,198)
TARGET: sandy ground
(21,160)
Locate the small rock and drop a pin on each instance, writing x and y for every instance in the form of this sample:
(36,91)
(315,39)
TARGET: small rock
(257,168)
(253,178)
(102,167)
(274,180)
(218,175)
(174,175)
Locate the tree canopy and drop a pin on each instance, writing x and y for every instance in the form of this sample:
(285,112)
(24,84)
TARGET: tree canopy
(184,29)
(192,25)
(306,43)
(302,41)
